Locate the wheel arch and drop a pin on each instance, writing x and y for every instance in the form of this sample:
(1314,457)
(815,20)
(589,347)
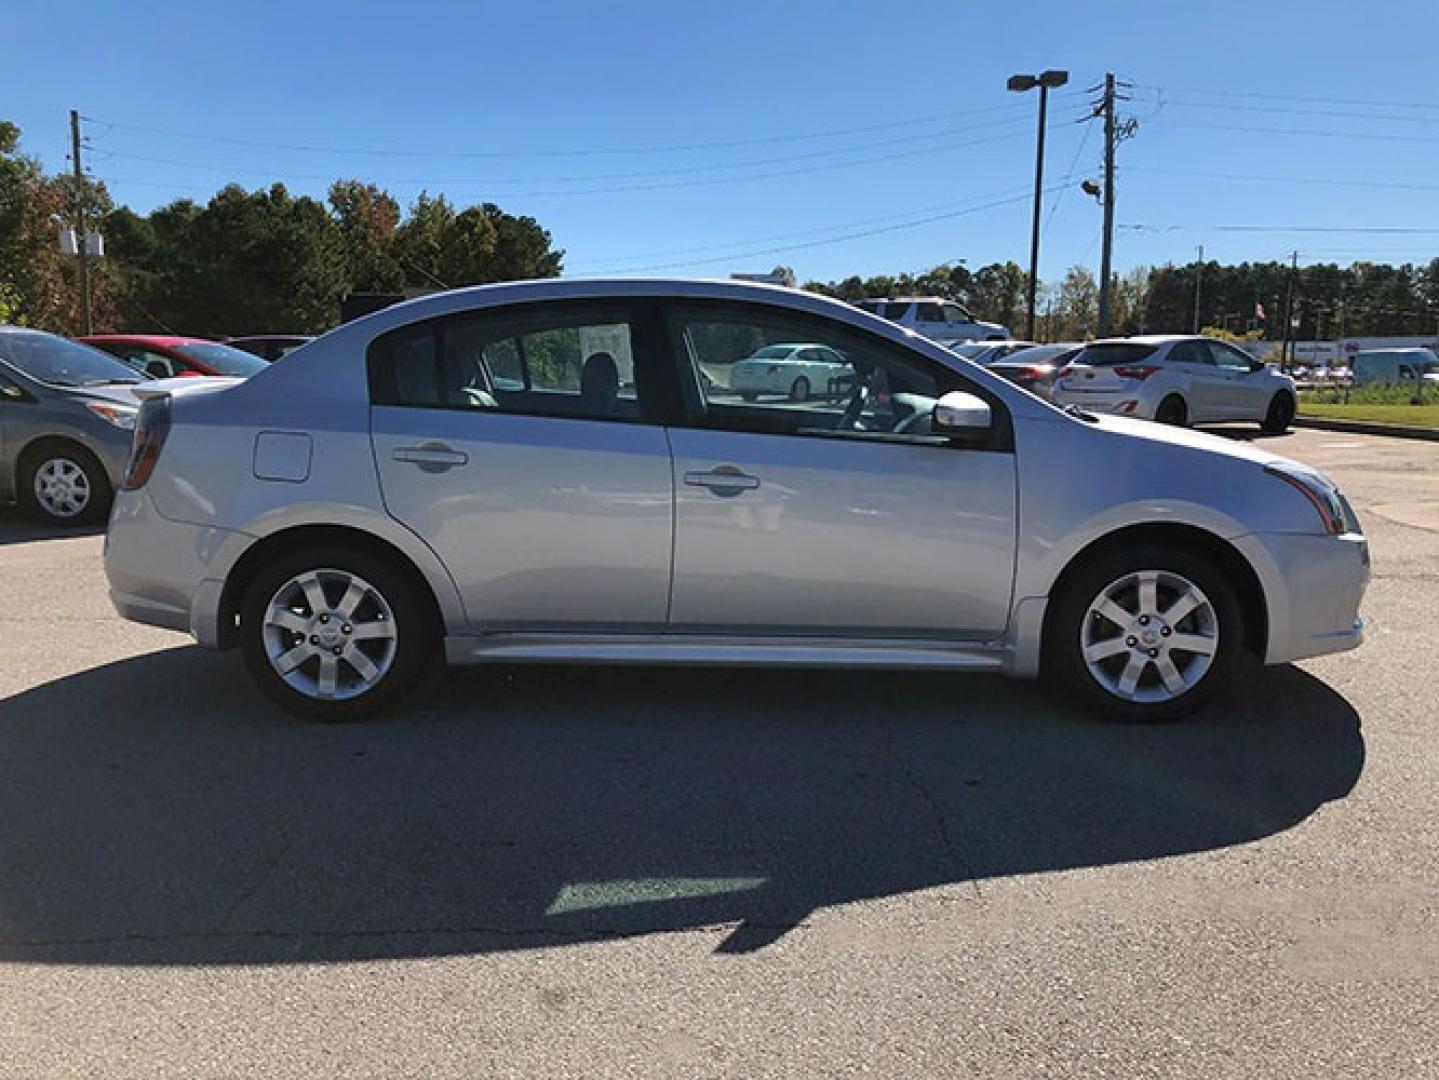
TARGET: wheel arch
(1253,600)
(244,569)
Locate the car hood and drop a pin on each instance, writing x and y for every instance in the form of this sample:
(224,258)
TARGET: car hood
(1168,435)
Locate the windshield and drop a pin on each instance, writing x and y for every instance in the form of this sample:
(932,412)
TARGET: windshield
(61,362)
(225,359)
(1110,354)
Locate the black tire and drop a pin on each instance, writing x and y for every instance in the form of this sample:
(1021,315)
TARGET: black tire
(99,492)
(1063,657)
(749,395)
(416,630)
(1172,410)
(799,389)
(1280,415)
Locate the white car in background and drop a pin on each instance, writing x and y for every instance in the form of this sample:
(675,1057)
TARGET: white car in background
(1177,379)
(937,319)
(798,371)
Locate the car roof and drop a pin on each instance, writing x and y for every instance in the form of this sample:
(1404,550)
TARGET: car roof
(146,339)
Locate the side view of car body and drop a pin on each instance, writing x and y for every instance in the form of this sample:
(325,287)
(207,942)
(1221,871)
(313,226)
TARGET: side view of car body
(798,371)
(936,318)
(166,357)
(1177,379)
(463,476)
(66,414)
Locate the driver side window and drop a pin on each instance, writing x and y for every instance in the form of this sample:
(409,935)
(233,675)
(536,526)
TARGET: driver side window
(736,375)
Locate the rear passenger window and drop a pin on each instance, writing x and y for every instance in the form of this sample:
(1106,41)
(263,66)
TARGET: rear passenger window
(543,362)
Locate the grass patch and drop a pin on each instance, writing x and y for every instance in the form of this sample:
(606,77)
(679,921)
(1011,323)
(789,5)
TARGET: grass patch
(1413,415)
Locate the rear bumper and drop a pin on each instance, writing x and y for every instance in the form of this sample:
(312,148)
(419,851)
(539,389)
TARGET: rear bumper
(162,572)
(1115,402)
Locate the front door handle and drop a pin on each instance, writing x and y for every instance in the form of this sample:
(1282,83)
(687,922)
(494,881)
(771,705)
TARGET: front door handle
(724,480)
(432,457)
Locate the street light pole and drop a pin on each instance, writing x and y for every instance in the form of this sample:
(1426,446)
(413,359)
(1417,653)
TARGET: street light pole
(1020,84)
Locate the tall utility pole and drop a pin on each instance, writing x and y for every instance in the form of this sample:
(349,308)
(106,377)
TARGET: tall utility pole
(1106,258)
(80,230)
(1198,277)
(1288,309)
(1019,84)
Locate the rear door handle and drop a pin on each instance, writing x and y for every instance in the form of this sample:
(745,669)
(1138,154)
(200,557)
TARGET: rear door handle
(723,480)
(435,456)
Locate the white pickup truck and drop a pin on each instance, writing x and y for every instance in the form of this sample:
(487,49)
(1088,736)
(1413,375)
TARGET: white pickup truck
(937,319)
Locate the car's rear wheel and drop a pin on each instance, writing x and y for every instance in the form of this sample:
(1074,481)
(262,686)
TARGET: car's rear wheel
(1148,634)
(799,389)
(749,395)
(1280,415)
(64,484)
(1172,410)
(335,633)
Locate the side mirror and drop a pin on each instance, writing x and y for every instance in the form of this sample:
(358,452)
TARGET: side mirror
(963,415)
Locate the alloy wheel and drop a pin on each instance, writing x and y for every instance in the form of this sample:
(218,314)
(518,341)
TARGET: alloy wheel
(329,634)
(1149,636)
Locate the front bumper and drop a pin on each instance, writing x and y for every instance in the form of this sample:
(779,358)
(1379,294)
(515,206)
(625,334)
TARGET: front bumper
(165,573)
(1314,603)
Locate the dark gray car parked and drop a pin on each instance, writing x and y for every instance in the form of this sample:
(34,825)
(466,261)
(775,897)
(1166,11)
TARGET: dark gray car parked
(66,416)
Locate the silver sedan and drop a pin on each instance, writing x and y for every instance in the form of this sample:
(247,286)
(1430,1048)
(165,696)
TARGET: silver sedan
(469,475)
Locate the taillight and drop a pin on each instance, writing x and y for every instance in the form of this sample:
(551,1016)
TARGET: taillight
(152,428)
(1034,373)
(1065,372)
(1140,372)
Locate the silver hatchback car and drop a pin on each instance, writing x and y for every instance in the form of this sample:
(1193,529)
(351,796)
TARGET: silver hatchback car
(550,472)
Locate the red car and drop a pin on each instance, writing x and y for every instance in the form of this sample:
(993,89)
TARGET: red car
(165,357)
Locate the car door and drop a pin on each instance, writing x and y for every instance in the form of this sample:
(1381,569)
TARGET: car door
(12,398)
(1205,393)
(1247,390)
(510,441)
(843,517)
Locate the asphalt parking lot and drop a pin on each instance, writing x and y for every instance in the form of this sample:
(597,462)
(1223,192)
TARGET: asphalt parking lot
(543,872)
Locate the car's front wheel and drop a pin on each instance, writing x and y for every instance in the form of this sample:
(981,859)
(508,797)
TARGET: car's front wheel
(1149,633)
(335,633)
(64,484)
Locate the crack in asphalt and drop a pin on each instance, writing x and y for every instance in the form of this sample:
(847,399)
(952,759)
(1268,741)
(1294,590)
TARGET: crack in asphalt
(941,820)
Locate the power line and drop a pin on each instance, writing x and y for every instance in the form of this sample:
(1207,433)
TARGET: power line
(1373,135)
(645,174)
(1286,110)
(564,192)
(903,214)
(1268,96)
(594,151)
(759,253)
(1307,180)
(1375,229)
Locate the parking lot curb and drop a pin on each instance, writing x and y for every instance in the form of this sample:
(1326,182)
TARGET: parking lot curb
(1368,427)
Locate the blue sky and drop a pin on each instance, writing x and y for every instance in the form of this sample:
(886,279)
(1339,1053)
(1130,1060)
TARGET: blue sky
(834,137)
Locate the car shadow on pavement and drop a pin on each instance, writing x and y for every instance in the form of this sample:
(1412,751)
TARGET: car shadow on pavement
(15,528)
(156,811)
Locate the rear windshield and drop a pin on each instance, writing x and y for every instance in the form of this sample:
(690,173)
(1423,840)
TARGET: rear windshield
(1108,355)
(773,352)
(226,359)
(1040,354)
